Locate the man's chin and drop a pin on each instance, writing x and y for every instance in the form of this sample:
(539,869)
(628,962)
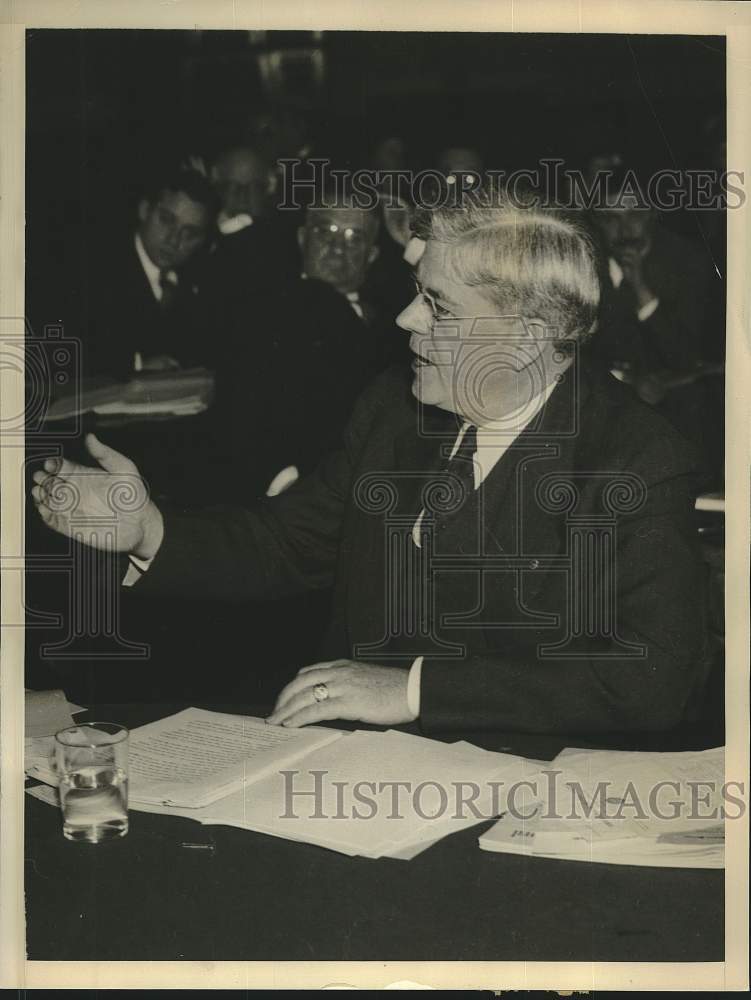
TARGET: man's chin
(423,391)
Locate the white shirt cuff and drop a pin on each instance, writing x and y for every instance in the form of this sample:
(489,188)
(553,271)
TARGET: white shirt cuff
(413,687)
(282,481)
(647,309)
(136,568)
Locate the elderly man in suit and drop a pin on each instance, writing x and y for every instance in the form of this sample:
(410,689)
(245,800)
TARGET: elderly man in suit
(508,531)
(317,334)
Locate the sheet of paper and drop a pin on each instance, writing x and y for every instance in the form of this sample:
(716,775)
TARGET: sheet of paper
(38,758)
(196,756)
(625,783)
(47,712)
(187,406)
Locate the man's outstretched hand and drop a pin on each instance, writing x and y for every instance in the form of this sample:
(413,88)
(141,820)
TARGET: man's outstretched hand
(86,503)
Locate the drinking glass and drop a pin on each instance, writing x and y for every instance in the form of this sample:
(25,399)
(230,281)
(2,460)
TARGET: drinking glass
(92,765)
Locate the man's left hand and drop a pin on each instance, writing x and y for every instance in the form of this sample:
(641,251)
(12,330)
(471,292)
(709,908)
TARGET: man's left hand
(631,261)
(356,691)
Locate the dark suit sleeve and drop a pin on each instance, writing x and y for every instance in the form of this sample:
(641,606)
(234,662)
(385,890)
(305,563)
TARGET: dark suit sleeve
(280,546)
(671,338)
(672,334)
(659,592)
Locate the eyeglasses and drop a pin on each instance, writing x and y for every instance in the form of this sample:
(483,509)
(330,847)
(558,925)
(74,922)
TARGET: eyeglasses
(333,232)
(437,311)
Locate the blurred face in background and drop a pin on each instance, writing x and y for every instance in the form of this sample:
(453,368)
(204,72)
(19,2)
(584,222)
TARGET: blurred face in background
(338,246)
(624,230)
(460,160)
(243,182)
(172,228)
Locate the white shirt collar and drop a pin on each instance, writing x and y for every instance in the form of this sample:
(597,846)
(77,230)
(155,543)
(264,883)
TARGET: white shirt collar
(616,272)
(151,270)
(510,426)
(230,224)
(496,437)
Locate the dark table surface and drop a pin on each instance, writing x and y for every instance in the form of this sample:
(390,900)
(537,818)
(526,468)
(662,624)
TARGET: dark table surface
(255,897)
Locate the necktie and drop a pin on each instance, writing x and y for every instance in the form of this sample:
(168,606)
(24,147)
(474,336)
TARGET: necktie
(169,290)
(457,480)
(449,493)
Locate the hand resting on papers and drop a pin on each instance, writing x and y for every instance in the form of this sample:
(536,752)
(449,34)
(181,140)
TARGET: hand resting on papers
(359,692)
(70,497)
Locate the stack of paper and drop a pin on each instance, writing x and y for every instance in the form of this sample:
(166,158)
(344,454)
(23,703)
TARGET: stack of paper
(377,794)
(369,794)
(178,393)
(651,809)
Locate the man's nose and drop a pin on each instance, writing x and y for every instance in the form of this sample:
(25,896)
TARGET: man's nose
(335,248)
(416,317)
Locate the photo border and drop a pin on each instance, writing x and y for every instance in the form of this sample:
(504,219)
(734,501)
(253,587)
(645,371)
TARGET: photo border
(685,17)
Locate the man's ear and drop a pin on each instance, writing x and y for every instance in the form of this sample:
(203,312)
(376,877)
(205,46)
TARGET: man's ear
(373,254)
(301,237)
(144,207)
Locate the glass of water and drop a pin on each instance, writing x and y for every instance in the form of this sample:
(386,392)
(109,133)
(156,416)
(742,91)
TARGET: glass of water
(92,766)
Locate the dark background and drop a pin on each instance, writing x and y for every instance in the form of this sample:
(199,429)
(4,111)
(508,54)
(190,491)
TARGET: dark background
(104,105)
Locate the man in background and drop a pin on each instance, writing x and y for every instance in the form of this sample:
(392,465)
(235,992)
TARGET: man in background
(245,184)
(299,350)
(140,301)
(654,309)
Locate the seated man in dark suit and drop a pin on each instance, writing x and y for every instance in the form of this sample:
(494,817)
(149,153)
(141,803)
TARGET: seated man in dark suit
(141,302)
(340,252)
(508,531)
(656,292)
(298,351)
(655,306)
(254,244)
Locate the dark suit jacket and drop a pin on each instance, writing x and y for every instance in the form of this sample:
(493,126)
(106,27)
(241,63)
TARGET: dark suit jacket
(294,359)
(671,338)
(117,314)
(491,659)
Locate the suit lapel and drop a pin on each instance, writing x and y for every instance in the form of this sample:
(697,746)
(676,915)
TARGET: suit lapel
(507,518)
(419,452)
